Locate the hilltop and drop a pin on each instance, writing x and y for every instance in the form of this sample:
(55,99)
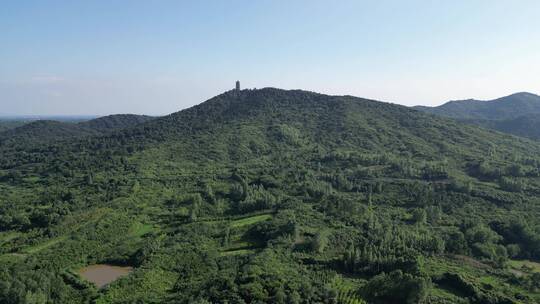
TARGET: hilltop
(275,196)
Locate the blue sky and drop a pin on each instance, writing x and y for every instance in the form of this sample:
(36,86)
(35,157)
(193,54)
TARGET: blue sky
(157,57)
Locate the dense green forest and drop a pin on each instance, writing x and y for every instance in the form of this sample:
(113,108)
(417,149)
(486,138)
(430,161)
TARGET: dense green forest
(10,124)
(517,114)
(274,196)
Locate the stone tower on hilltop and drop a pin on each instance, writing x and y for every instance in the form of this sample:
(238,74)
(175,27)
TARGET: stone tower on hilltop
(238,85)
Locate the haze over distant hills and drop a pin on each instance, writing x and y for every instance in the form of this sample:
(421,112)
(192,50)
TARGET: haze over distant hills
(71,118)
(10,124)
(51,130)
(13,121)
(517,114)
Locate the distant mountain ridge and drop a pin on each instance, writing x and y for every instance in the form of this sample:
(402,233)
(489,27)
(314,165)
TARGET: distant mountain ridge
(517,114)
(507,107)
(111,122)
(52,130)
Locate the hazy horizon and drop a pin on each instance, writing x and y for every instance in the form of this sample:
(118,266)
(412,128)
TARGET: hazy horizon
(91,116)
(101,58)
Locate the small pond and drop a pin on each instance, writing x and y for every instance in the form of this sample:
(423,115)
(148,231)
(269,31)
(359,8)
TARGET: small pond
(103,274)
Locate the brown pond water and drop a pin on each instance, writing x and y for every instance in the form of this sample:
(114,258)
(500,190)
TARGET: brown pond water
(103,274)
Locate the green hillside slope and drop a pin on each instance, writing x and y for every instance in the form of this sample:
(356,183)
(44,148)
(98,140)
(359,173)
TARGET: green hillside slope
(274,196)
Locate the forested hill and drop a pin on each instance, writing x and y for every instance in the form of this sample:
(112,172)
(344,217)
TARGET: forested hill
(509,107)
(45,131)
(274,196)
(524,126)
(517,114)
(330,121)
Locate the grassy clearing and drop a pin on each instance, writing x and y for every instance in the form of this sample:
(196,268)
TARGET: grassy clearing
(481,275)
(347,291)
(44,245)
(93,217)
(443,295)
(151,285)
(12,257)
(32,179)
(239,244)
(8,236)
(524,264)
(139,229)
(237,252)
(250,220)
